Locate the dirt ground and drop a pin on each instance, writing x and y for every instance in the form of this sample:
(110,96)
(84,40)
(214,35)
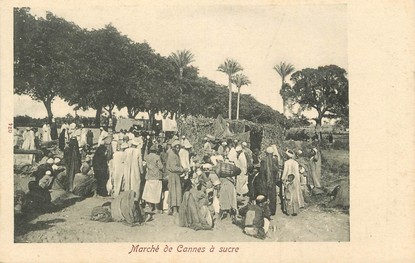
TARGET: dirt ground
(72,224)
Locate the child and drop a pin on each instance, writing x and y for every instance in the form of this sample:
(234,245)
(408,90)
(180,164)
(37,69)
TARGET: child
(291,204)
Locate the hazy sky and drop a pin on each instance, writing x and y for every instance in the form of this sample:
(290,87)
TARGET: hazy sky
(258,37)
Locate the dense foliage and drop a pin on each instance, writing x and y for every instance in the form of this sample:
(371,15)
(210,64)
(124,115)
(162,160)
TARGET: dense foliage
(102,69)
(325,89)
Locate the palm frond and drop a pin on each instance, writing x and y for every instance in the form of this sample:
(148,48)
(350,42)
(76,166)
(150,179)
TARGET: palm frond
(284,69)
(182,58)
(240,80)
(230,67)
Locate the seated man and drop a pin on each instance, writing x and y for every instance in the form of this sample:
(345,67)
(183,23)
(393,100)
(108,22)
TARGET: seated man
(38,199)
(194,212)
(84,185)
(256,218)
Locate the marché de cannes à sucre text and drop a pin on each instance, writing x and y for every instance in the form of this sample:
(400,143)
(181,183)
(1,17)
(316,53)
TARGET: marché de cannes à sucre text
(180,248)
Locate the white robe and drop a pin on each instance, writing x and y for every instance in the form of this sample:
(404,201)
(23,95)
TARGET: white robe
(132,170)
(101,137)
(46,133)
(118,171)
(242,178)
(291,167)
(184,158)
(83,141)
(232,155)
(28,140)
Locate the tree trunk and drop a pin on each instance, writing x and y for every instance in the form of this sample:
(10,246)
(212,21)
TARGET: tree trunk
(132,112)
(237,105)
(284,105)
(180,73)
(48,106)
(98,116)
(230,99)
(318,125)
(110,108)
(181,95)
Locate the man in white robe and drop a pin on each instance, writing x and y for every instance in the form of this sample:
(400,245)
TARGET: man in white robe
(83,141)
(133,167)
(242,178)
(118,169)
(46,133)
(315,168)
(291,166)
(184,155)
(28,140)
(102,135)
(232,155)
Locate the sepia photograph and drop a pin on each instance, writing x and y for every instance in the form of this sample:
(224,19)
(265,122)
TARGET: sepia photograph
(181,124)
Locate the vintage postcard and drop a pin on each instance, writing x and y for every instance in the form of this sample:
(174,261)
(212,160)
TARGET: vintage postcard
(201,131)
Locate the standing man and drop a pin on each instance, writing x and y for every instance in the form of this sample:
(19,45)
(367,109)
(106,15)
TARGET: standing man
(53,130)
(268,178)
(207,148)
(46,132)
(315,168)
(174,169)
(232,155)
(133,167)
(242,178)
(114,121)
(28,139)
(102,135)
(291,166)
(118,167)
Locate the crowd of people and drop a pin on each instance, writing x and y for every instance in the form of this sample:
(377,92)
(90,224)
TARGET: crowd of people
(147,173)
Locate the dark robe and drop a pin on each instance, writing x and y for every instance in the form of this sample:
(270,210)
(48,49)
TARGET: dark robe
(72,159)
(268,181)
(90,138)
(38,199)
(53,131)
(100,165)
(62,138)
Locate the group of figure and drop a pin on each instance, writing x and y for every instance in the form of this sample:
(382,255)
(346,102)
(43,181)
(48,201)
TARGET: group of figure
(165,175)
(33,137)
(84,135)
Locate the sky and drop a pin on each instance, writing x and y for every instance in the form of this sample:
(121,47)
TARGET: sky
(258,37)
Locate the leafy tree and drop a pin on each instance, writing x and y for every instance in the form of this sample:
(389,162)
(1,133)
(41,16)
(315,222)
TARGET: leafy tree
(284,69)
(42,49)
(239,80)
(324,89)
(138,79)
(101,66)
(230,67)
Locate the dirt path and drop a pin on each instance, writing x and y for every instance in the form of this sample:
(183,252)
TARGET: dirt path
(72,224)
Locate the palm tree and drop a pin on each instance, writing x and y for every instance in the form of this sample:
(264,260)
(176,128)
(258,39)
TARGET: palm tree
(284,69)
(181,58)
(230,67)
(240,80)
